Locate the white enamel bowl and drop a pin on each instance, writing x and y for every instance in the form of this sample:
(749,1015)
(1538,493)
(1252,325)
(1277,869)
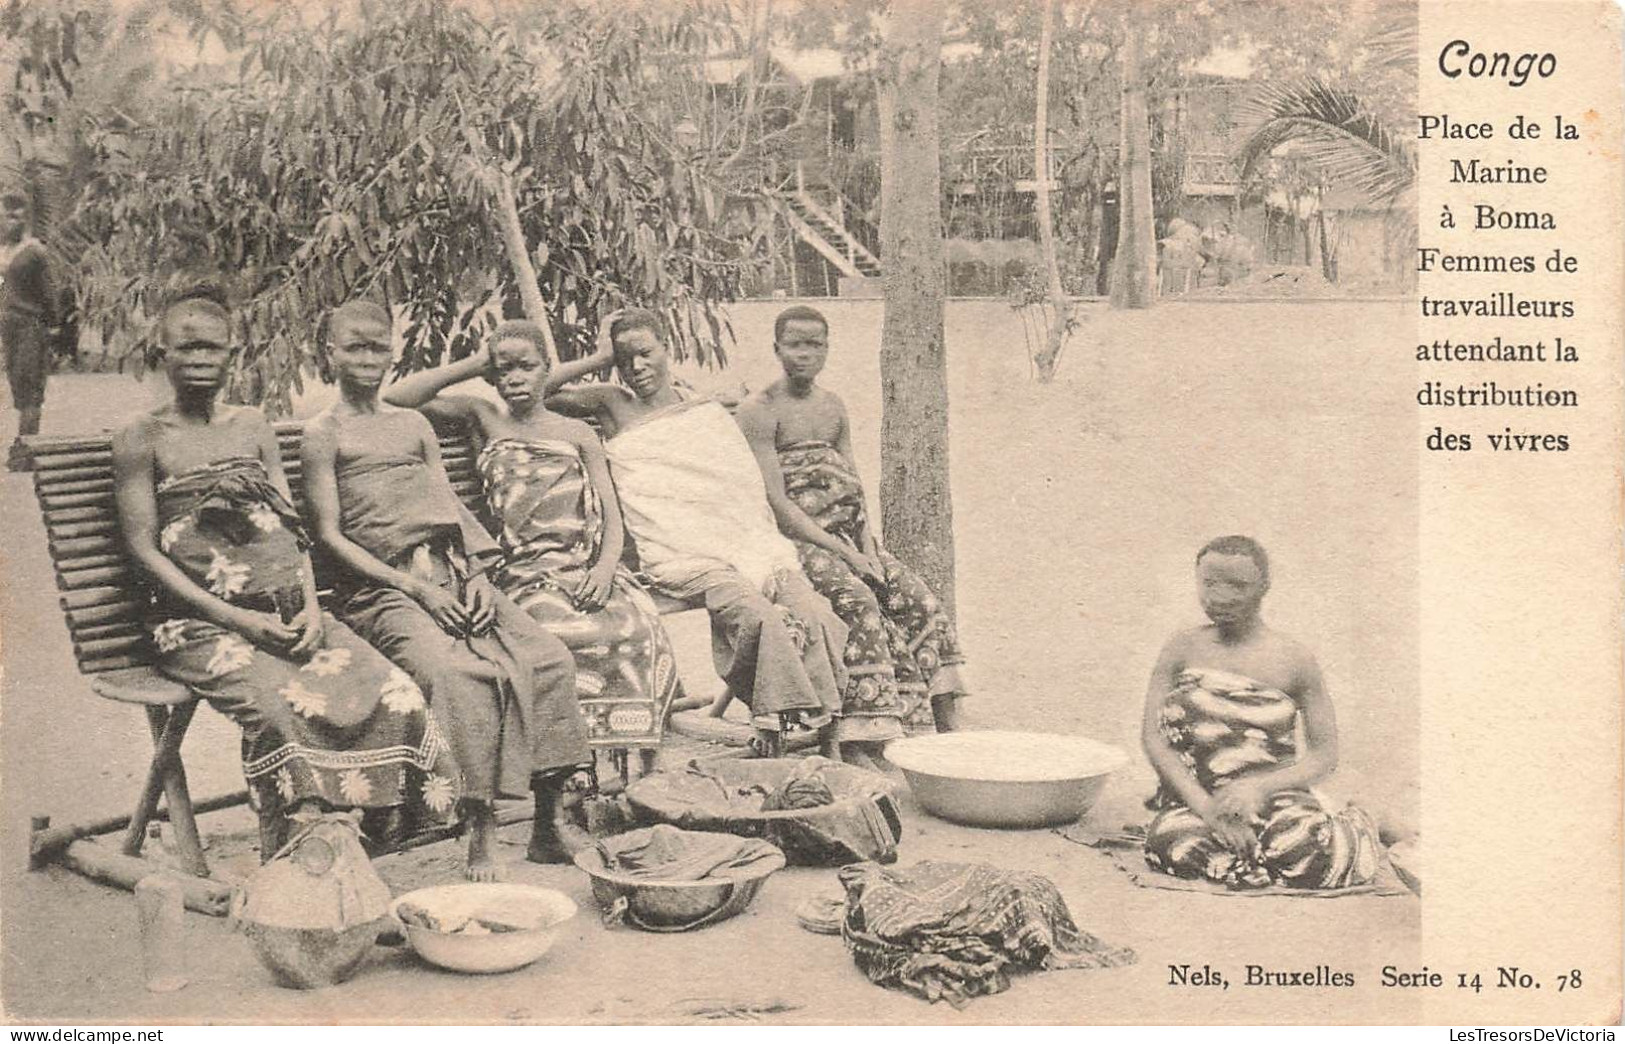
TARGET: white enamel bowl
(1001,779)
(542,908)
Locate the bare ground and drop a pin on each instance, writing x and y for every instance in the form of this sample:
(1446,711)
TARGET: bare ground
(1077,508)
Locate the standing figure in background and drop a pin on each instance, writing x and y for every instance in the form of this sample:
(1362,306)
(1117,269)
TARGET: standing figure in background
(502,687)
(902,657)
(1234,804)
(327,721)
(556,512)
(27,313)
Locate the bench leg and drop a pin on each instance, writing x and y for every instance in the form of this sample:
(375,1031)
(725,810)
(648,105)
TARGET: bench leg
(646,761)
(188,845)
(166,777)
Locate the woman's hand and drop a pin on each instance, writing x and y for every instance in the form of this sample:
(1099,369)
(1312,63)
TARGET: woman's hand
(867,568)
(604,346)
(595,589)
(309,625)
(1230,814)
(480,604)
(447,611)
(1241,800)
(265,630)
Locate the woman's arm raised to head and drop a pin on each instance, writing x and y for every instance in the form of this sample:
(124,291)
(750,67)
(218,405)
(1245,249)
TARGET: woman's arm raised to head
(422,392)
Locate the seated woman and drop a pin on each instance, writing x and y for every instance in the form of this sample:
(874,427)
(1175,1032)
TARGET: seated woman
(1234,804)
(326,720)
(502,687)
(697,510)
(550,496)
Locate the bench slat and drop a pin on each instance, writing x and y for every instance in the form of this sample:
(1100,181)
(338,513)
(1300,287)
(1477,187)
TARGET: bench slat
(49,462)
(103,561)
(87,528)
(117,628)
(96,615)
(53,480)
(46,445)
(101,648)
(107,576)
(102,501)
(84,547)
(67,516)
(103,486)
(86,598)
(113,663)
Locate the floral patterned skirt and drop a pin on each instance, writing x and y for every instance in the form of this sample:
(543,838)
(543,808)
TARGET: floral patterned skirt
(901,649)
(345,727)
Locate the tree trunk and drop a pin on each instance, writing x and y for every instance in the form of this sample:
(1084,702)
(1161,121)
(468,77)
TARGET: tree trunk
(524,273)
(916,506)
(512,231)
(1328,263)
(1135,273)
(1060,306)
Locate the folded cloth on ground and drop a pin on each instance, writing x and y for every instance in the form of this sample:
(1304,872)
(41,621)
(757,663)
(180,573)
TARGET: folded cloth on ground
(806,787)
(948,931)
(666,853)
(816,811)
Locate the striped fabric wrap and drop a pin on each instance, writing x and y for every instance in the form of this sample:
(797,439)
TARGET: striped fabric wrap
(1226,727)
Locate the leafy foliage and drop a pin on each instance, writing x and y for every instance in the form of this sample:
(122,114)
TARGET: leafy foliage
(1328,126)
(358,155)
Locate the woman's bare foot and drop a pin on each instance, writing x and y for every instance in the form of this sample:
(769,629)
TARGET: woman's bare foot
(385,829)
(860,755)
(719,706)
(552,838)
(482,829)
(945,711)
(557,843)
(766,743)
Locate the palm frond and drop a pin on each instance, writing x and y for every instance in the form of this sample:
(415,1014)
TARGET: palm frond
(1392,43)
(1328,126)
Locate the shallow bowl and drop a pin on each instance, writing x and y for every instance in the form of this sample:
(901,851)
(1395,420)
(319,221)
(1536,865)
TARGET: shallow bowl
(542,908)
(1018,780)
(671,906)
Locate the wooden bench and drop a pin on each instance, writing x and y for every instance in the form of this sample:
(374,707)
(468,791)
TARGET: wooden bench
(103,601)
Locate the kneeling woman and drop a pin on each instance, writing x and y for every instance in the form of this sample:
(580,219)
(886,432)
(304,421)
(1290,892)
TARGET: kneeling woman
(554,507)
(1234,803)
(327,721)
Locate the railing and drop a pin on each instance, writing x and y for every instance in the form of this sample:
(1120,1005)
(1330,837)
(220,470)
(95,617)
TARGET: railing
(1008,163)
(1211,173)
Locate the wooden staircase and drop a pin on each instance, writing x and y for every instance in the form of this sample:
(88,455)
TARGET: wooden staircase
(825,233)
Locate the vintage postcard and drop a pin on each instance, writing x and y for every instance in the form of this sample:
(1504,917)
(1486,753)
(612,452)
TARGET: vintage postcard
(535,512)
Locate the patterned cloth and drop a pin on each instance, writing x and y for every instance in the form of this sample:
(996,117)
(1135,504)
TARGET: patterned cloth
(1227,727)
(506,699)
(666,853)
(346,727)
(948,931)
(552,528)
(902,649)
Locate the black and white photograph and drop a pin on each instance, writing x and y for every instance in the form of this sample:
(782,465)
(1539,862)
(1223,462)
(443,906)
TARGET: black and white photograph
(778,513)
